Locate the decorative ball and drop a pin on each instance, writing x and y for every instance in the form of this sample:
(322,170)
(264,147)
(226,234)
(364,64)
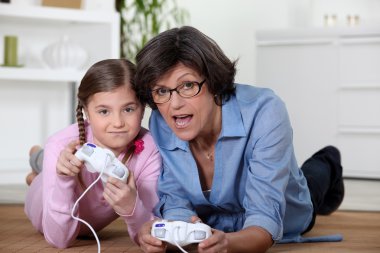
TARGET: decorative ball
(64,54)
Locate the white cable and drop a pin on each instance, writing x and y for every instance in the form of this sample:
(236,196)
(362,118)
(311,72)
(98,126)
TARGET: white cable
(175,241)
(81,196)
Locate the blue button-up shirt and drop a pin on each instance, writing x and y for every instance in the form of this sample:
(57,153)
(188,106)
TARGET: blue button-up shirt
(257,181)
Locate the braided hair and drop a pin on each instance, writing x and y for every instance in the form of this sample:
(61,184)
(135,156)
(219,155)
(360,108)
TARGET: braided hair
(81,125)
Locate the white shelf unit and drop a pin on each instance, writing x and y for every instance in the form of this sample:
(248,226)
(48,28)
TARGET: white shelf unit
(37,101)
(329,79)
(36,27)
(39,74)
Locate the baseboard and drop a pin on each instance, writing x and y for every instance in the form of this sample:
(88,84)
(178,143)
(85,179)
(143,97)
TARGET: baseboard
(13,193)
(360,195)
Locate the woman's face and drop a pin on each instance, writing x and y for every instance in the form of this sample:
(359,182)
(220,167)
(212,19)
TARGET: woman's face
(115,118)
(193,117)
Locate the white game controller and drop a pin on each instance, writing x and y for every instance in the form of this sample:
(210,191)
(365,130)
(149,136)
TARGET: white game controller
(180,233)
(97,159)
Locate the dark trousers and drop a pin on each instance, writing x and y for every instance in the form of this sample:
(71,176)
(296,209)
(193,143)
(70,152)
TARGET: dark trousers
(323,172)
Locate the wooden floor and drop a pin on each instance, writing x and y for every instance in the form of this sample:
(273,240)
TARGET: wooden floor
(361,232)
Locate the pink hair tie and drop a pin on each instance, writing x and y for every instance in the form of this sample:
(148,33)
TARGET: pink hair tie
(139,146)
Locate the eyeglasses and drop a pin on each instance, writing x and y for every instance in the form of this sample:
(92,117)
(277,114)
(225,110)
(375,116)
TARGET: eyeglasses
(185,90)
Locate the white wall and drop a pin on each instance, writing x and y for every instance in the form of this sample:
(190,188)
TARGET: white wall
(232,24)
(232,30)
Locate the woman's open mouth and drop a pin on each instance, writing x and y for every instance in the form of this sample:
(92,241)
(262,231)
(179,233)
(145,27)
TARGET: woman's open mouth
(182,121)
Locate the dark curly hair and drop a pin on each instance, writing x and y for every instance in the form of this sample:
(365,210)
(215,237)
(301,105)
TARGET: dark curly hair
(192,48)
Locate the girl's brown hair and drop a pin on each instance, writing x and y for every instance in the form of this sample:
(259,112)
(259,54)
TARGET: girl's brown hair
(103,76)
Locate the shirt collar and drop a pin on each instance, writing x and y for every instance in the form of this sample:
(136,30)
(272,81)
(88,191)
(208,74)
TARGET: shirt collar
(164,136)
(232,121)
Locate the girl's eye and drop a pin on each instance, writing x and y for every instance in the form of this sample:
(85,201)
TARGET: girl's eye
(103,112)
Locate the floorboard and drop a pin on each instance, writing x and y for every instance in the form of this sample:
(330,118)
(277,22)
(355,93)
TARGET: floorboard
(360,230)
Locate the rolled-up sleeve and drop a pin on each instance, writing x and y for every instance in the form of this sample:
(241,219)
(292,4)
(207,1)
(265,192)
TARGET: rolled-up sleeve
(269,170)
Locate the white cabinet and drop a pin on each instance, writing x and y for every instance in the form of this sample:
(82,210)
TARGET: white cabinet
(330,80)
(36,101)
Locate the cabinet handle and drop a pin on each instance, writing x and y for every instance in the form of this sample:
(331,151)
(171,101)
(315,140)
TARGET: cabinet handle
(294,42)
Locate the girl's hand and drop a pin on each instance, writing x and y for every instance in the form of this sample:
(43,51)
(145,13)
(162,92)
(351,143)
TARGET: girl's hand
(68,164)
(147,242)
(217,242)
(121,196)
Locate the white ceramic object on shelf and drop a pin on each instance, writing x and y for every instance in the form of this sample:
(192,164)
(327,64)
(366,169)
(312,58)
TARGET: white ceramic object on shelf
(64,54)
(99,5)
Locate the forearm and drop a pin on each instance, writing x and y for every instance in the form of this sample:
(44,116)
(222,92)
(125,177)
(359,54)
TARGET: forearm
(252,240)
(59,228)
(137,218)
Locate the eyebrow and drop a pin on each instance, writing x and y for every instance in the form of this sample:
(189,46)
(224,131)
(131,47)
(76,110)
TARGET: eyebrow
(163,85)
(124,105)
(178,84)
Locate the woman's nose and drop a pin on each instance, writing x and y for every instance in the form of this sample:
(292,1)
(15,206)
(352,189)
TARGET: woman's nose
(176,100)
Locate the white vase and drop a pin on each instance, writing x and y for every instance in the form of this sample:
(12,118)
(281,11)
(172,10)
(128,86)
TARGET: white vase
(64,54)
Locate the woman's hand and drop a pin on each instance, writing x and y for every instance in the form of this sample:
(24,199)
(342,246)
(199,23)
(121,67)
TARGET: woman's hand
(147,242)
(121,196)
(217,242)
(68,164)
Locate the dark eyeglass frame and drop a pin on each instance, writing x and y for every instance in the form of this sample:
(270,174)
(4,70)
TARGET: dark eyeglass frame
(199,84)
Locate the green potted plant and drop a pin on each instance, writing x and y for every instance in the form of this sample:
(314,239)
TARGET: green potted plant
(140,20)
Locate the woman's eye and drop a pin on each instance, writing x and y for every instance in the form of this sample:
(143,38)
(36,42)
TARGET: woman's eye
(162,91)
(188,85)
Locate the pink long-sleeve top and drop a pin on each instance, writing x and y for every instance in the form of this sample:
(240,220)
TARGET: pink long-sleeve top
(51,197)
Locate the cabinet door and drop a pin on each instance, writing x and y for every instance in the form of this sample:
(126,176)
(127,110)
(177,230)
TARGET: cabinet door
(359,105)
(30,112)
(332,91)
(304,76)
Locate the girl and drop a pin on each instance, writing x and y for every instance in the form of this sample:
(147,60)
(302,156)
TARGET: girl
(113,120)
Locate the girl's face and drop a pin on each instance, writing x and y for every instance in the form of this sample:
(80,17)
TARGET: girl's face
(189,118)
(115,118)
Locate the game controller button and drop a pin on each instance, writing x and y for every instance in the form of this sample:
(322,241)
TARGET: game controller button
(199,235)
(88,150)
(159,232)
(118,171)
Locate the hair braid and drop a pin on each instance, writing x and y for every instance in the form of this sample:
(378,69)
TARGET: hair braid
(81,126)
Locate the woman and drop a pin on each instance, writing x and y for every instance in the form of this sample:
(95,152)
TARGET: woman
(228,157)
